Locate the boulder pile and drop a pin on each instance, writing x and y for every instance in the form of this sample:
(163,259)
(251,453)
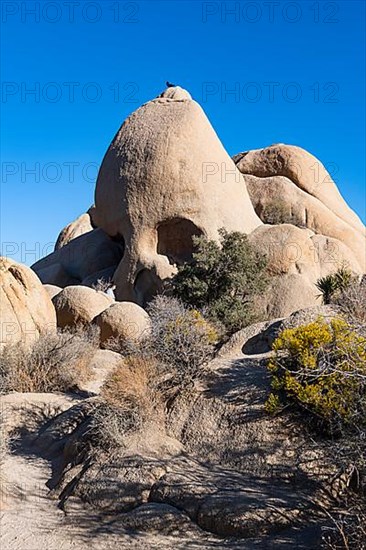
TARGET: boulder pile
(166,177)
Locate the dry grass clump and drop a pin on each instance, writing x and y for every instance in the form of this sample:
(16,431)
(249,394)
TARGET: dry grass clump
(153,371)
(55,362)
(132,399)
(3,452)
(181,340)
(124,346)
(132,384)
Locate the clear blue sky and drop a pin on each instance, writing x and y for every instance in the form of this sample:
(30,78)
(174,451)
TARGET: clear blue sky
(298,68)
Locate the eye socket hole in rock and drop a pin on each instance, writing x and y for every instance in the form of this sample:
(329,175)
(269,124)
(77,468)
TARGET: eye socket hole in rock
(175,239)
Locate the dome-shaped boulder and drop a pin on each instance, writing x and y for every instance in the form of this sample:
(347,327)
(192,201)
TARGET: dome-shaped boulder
(165,178)
(74,229)
(26,308)
(304,170)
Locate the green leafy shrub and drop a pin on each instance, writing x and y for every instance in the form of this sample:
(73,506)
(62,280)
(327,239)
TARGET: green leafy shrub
(321,368)
(331,286)
(222,280)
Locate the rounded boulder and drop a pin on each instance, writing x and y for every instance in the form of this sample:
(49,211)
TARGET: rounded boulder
(123,320)
(79,305)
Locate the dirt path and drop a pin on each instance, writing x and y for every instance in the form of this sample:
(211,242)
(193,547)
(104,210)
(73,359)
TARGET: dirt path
(30,518)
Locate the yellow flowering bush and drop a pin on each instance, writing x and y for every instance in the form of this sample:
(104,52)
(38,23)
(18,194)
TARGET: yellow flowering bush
(321,367)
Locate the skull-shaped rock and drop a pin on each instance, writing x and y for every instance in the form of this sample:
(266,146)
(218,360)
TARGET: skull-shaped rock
(165,178)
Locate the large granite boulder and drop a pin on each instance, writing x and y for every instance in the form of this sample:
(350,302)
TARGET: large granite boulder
(165,178)
(124,321)
(297,183)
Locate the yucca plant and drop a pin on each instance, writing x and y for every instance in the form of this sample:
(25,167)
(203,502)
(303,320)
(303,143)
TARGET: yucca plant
(327,286)
(332,284)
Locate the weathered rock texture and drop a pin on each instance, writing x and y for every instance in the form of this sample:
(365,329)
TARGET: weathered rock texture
(221,463)
(297,258)
(258,338)
(165,178)
(79,304)
(26,308)
(52,290)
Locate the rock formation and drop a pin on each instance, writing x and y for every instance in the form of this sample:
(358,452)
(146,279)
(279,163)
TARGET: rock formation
(296,180)
(297,258)
(83,257)
(74,229)
(52,290)
(26,308)
(304,170)
(166,177)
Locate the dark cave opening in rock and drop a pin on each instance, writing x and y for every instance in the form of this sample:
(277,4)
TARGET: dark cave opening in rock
(175,239)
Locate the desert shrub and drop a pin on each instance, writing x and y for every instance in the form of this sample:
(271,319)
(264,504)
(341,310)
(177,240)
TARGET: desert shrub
(153,371)
(347,528)
(321,368)
(331,286)
(222,280)
(55,362)
(124,346)
(276,212)
(132,384)
(181,339)
(167,359)
(351,301)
